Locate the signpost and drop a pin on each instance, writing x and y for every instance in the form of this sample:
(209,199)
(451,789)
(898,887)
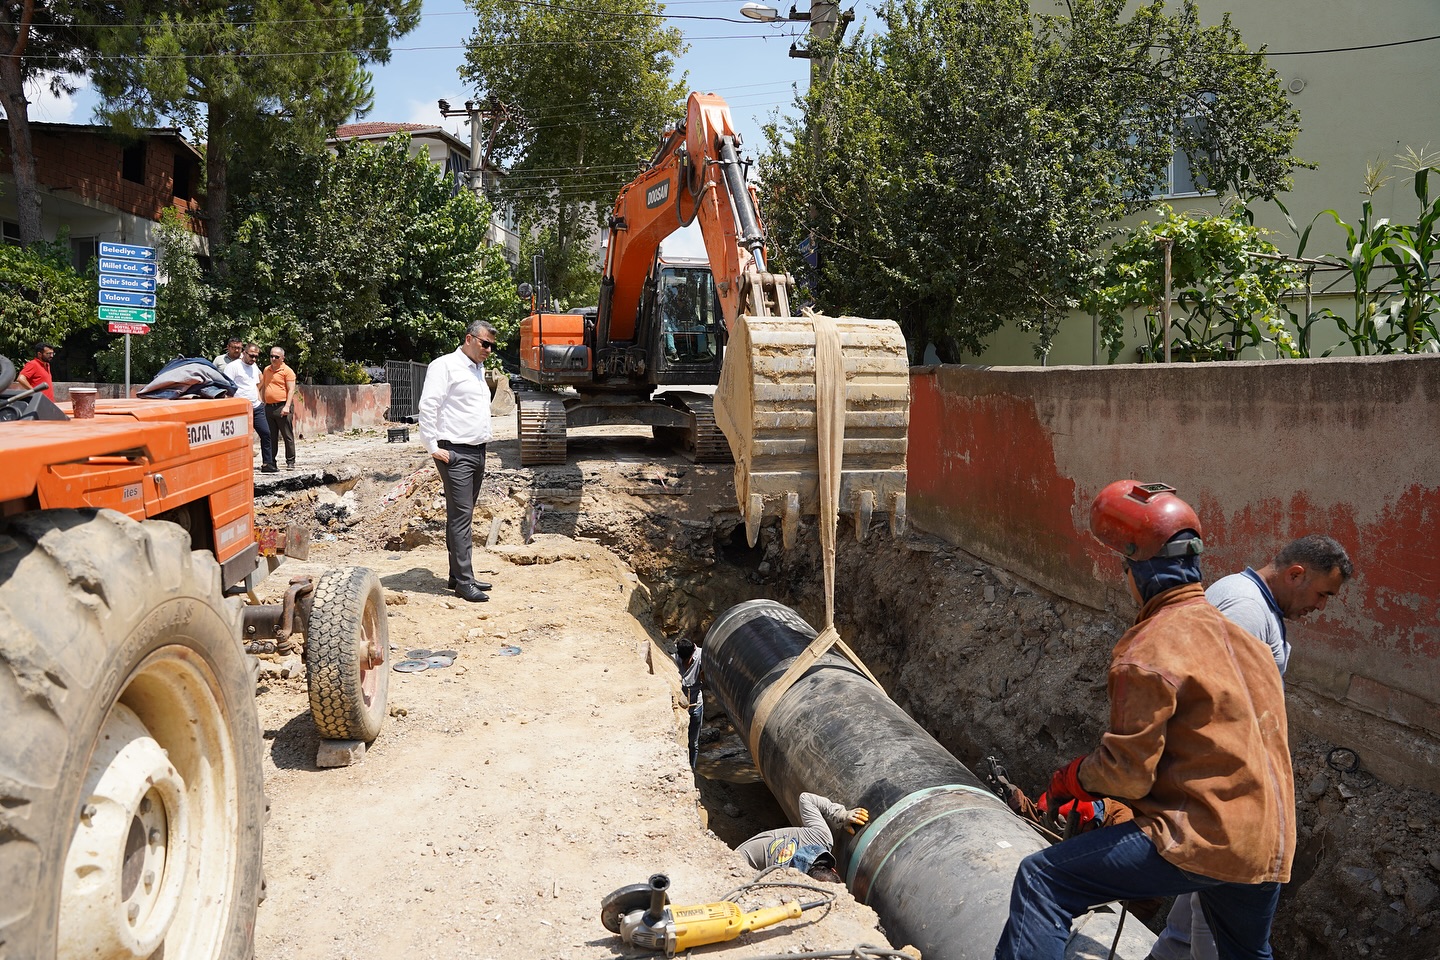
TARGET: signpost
(118,326)
(127,292)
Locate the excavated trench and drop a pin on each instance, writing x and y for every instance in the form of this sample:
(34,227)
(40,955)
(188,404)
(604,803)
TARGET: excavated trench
(987,663)
(992,665)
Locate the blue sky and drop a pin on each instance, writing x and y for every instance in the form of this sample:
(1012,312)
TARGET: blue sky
(746,62)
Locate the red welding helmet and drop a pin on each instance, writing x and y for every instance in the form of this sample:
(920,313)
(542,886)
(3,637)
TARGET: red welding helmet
(1137,520)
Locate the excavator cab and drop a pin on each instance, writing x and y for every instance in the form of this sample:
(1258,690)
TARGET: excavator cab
(690,322)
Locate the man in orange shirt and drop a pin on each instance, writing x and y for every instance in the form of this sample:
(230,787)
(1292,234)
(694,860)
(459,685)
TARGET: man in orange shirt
(277,390)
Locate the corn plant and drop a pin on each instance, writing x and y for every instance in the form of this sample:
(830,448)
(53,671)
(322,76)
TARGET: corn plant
(1393,270)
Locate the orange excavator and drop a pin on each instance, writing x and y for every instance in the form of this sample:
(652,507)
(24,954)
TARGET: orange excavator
(667,321)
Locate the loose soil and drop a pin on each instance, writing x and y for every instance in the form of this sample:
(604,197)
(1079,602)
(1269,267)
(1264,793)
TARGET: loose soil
(507,794)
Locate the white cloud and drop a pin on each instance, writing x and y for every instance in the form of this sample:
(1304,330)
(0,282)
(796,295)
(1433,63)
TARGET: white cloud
(428,113)
(46,107)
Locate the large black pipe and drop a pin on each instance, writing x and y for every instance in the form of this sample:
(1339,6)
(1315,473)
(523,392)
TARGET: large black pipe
(940,852)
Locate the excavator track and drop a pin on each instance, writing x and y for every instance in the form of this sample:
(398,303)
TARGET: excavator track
(766,406)
(706,443)
(541,424)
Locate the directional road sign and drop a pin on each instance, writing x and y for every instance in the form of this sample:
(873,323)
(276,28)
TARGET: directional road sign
(127,314)
(136,328)
(127,250)
(118,298)
(127,268)
(145,284)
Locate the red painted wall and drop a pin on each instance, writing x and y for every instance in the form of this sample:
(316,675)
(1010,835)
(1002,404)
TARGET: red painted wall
(1005,462)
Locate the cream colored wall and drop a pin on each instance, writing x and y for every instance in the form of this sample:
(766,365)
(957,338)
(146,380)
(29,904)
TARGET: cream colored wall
(1355,108)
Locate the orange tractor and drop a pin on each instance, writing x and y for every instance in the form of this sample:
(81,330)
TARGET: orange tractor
(131,801)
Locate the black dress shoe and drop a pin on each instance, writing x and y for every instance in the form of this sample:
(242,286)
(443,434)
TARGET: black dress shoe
(479,583)
(471,592)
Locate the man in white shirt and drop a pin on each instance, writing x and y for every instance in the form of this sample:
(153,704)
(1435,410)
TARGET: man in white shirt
(688,660)
(246,374)
(455,426)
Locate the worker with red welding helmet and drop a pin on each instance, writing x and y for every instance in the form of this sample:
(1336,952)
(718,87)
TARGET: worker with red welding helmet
(1196,746)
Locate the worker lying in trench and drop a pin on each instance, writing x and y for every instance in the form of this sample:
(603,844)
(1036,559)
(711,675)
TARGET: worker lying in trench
(809,847)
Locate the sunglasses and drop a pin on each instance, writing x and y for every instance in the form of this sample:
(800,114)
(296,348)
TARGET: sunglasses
(487,344)
(277,356)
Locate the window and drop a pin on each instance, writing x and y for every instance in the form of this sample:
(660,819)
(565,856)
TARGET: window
(11,233)
(457,168)
(186,176)
(82,251)
(1183,179)
(132,162)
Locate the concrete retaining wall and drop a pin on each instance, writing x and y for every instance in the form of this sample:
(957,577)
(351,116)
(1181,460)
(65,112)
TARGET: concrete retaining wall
(319,409)
(1005,461)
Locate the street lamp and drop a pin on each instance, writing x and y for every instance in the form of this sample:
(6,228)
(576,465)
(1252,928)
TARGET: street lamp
(758,11)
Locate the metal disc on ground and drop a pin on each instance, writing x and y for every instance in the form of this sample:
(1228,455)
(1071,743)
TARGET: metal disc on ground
(417,654)
(452,654)
(509,651)
(412,666)
(438,662)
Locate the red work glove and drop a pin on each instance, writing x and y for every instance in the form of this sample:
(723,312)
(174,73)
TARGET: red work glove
(1065,783)
(1085,808)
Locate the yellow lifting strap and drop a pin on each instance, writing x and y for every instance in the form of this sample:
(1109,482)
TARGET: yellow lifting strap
(830,439)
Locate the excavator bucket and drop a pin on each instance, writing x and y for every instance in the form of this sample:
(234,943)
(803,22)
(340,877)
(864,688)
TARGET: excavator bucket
(765,405)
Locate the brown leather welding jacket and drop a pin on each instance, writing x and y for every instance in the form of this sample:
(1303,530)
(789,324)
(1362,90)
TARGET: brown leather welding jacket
(1197,742)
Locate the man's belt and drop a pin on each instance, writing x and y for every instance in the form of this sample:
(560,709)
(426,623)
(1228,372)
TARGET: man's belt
(462,447)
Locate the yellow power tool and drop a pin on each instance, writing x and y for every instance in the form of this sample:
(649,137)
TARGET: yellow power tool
(642,915)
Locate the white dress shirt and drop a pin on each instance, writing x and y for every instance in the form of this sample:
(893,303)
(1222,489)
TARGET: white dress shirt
(247,378)
(455,404)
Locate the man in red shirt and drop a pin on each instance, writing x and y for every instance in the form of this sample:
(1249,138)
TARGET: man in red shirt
(37,372)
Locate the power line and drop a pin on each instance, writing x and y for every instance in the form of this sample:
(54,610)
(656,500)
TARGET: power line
(192,24)
(1365,46)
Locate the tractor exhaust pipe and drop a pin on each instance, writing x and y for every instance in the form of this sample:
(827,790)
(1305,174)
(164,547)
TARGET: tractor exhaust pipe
(938,857)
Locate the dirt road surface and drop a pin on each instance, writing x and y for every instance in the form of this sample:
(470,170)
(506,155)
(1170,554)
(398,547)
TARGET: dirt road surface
(509,793)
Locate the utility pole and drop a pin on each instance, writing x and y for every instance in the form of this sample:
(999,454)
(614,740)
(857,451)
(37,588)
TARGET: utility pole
(478,113)
(826,22)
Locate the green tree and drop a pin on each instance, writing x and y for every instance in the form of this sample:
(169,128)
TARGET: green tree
(225,70)
(1226,281)
(961,169)
(42,298)
(37,40)
(588,92)
(366,256)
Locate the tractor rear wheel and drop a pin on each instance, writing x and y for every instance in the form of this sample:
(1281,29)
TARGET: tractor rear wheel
(347,654)
(131,800)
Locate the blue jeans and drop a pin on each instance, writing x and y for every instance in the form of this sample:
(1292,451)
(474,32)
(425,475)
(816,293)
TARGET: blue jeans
(267,440)
(1058,884)
(1187,936)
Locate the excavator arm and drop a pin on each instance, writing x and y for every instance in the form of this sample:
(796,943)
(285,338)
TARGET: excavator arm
(766,402)
(696,174)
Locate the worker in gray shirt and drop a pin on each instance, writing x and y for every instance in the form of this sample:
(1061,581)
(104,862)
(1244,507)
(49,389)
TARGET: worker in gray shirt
(808,847)
(1300,580)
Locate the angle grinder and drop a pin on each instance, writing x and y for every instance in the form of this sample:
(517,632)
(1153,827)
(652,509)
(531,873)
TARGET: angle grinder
(642,915)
